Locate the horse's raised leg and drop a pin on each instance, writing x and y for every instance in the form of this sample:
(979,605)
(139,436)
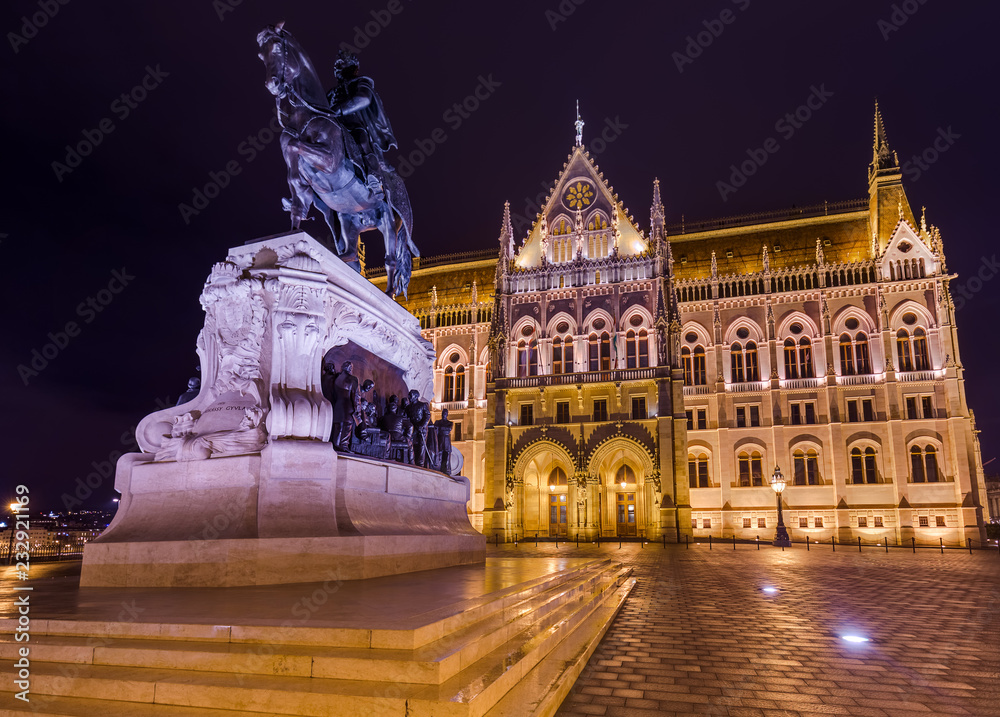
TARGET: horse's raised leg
(298,205)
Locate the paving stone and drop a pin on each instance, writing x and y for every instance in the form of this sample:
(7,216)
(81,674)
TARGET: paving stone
(698,636)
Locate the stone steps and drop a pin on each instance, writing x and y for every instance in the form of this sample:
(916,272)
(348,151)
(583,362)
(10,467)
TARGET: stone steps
(431,664)
(527,634)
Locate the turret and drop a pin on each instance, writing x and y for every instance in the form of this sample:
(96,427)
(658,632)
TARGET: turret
(886,198)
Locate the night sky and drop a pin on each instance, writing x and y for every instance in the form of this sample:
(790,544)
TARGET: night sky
(108,227)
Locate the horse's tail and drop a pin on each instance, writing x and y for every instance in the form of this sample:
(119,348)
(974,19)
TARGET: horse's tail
(404,264)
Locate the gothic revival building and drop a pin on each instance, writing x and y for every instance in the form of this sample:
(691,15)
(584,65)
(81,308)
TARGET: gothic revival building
(609,381)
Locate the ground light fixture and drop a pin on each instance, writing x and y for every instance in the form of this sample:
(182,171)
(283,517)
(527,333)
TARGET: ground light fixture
(770,590)
(781,539)
(854,638)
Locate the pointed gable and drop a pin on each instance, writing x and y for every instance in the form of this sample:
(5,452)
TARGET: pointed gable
(907,256)
(581,188)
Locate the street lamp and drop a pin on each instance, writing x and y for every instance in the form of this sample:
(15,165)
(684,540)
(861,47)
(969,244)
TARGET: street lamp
(781,539)
(14,507)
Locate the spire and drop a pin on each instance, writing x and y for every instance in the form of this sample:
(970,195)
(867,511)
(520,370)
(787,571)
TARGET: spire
(579,126)
(656,214)
(882,156)
(506,234)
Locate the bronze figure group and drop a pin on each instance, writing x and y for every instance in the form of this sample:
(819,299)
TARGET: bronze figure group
(398,430)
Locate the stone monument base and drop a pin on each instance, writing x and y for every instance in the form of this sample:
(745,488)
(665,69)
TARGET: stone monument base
(271,561)
(296,512)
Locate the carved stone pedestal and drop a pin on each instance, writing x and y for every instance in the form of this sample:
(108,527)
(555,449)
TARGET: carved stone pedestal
(241,486)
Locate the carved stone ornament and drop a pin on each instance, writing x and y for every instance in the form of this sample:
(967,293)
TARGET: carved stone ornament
(273,310)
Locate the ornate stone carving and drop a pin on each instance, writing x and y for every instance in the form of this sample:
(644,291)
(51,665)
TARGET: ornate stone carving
(272,310)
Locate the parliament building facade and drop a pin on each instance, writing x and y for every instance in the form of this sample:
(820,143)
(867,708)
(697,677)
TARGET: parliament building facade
(607,380)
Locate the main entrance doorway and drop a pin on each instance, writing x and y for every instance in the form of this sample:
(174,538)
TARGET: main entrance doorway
(557,514)
(626,514)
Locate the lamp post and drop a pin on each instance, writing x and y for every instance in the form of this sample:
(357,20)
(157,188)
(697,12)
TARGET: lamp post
(781,539)
(13,524)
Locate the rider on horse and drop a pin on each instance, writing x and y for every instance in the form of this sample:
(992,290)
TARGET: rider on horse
(357,105)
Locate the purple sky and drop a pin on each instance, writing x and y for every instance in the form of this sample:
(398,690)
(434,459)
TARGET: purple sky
(68,234)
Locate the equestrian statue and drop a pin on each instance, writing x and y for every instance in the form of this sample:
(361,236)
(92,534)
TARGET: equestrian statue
(334,145)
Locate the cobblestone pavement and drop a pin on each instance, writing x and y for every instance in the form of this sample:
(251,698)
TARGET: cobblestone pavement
(700,635)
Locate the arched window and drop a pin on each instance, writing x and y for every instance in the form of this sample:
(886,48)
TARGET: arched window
(917,465)
(930,458)
(791,359)
(557,478)
(924,465)
(751,469)
(562,355)
(522,358)
(449,385)
(861,355)
(806,467)
(624,474)
(631,353)
(752,366)
(699,366)
(686,364)
(643,349)
(863,466)
(698,471)
(805,358)
(605,352)
(903,350)
(595,356)
(846,356)
(532,358)
(921,361)
(459,384)
(736,363)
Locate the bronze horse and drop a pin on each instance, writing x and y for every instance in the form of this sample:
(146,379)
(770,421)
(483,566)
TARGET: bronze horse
(320,172)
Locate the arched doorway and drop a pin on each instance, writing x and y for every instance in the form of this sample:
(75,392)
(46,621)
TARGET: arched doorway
(625,500)
(546,503)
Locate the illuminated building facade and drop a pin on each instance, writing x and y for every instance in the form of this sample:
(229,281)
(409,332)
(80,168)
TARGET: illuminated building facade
(609,381)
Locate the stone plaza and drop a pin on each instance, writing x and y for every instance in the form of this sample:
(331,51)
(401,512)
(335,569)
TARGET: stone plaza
(705,630)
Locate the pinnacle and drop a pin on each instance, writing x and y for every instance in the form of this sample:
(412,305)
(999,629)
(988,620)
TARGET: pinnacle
(882,156)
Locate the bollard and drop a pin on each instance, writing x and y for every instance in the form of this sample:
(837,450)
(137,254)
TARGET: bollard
(913,542)
(969,543)
(859,543)
(887,546)
(758,542)
(941,541)
(833,542)
(685,542)
(664,541)
(536,538)
(734,541)
(709,542)
(807,544)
